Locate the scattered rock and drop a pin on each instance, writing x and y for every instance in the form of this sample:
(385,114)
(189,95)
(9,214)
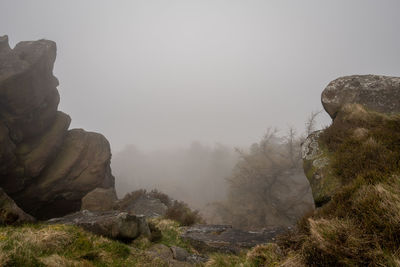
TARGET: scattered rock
(148,206)
(179,254)
(99,199)
(378,93)
(161,251)
(174,256)
(223,238)
(196,259)
(112,224)
(10,213)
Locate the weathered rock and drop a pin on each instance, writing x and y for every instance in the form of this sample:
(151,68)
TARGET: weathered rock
(179,254)
(223,238)
(28,94)
(160,251)
(99,199)
(44,167)
(149,206)
(10,213)
(317,169)
(174,256)
(378,93)
(82,164)
(112,224)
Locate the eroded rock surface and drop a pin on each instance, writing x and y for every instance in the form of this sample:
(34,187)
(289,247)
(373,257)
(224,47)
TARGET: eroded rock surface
(44,167)
(223,238)
(375,92)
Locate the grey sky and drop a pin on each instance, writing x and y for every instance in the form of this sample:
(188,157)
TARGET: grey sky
(159,73)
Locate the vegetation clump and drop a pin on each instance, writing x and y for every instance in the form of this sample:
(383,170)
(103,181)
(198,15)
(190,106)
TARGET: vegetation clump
(360,225)
(61,245)
(178,211)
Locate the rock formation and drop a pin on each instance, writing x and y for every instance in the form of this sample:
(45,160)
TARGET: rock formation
(344,97)
(44,167)
(378,93)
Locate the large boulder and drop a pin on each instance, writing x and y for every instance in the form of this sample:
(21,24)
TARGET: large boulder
(44,167)
(375,92)
(10,213)
(113,224)
(99,199)
(82,164)
(346,99)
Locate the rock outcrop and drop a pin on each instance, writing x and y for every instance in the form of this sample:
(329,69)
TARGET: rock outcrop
(378,93)
(113,224)
(346,99)
(44,167)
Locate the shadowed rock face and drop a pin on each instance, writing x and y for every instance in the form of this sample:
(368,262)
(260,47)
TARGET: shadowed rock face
(10,213)
(44,167)
(378,93)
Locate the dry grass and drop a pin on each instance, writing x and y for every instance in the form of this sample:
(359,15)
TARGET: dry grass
(60,245)
(360,226)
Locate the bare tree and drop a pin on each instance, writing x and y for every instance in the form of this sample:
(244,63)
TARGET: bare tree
(311,121)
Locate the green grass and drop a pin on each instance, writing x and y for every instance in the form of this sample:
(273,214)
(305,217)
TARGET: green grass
(171,233)
(60,245)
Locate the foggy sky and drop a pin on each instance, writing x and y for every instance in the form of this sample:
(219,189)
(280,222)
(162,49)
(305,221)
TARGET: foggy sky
(160,73)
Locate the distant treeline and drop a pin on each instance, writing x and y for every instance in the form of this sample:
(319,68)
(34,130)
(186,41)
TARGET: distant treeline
(196,175)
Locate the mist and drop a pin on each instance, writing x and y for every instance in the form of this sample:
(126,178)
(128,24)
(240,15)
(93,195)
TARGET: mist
(176,86)
(195,174)
(162,74)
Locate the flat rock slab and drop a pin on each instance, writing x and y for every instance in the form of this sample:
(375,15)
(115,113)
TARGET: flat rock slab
(114,224)
(223,238)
